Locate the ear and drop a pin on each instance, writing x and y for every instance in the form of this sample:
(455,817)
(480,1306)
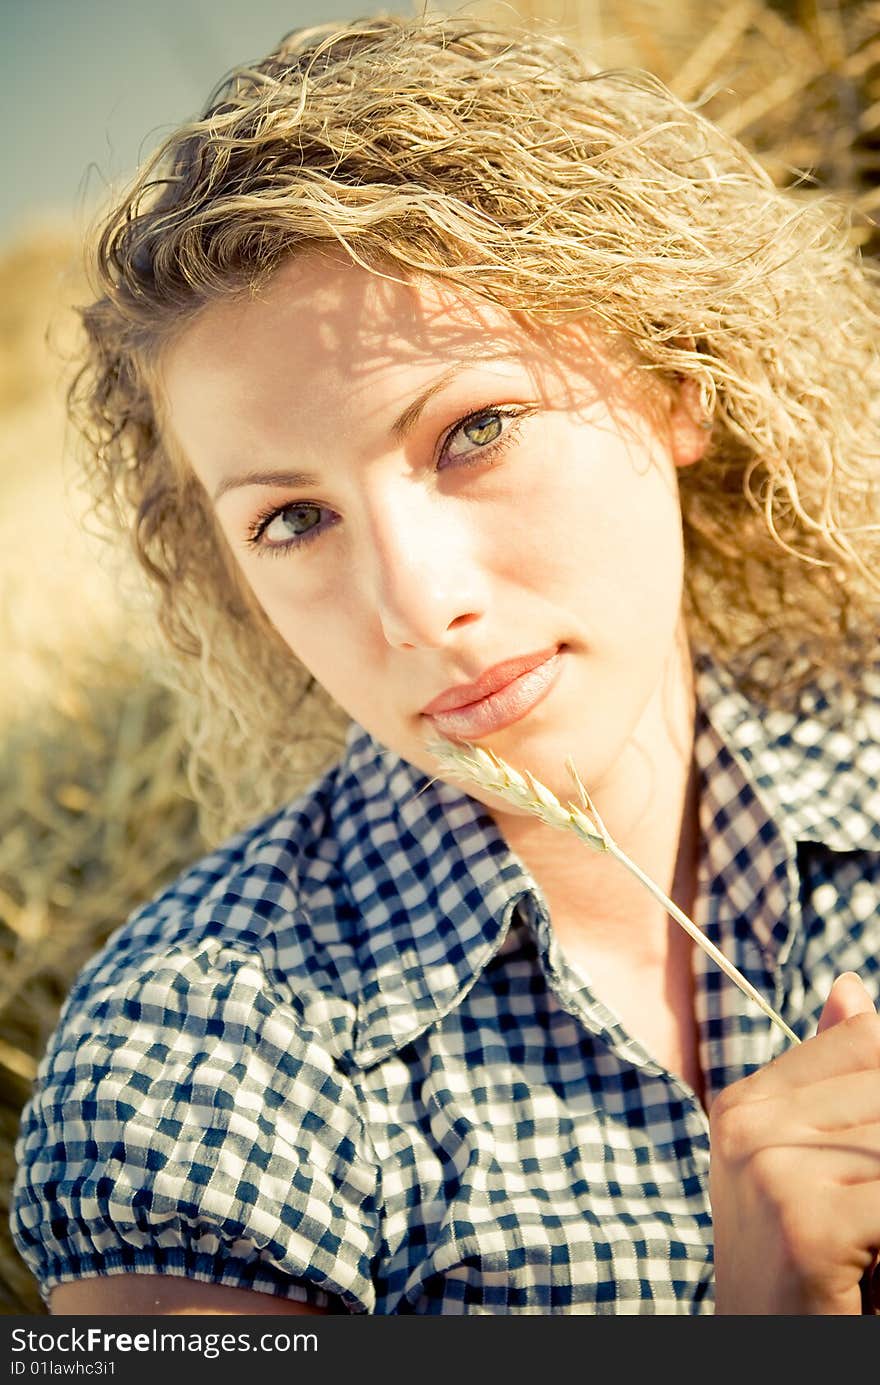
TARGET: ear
(689,429)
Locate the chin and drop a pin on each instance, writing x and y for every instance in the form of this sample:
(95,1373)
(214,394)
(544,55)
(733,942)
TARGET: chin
(545,754)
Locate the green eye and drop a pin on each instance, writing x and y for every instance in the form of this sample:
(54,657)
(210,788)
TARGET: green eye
(287,527)
(300,518)
(483,430)
(291,522)
(481,438)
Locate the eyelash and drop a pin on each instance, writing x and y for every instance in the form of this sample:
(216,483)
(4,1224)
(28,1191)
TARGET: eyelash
(490,453)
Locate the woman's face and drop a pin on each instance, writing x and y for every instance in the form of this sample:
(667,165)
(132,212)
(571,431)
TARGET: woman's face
(458,526)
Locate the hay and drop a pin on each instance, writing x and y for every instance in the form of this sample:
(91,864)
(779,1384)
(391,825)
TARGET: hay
(798,83)
(95,812)
(94,817)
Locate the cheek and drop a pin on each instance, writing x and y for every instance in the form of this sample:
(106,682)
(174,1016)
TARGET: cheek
(329,631)
(335,655)
(596,524)
(314,617)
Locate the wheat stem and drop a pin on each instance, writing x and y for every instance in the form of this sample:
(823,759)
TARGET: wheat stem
(488,770)
(702,941)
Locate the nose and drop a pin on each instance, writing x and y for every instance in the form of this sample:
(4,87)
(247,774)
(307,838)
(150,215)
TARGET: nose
(429,581)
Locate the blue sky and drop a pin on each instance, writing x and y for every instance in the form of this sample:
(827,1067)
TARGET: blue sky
(88,86)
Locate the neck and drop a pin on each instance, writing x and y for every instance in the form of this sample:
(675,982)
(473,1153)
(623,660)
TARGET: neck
(648,802)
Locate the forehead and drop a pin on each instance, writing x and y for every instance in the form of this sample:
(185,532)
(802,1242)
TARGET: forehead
(324,337)
(338,315)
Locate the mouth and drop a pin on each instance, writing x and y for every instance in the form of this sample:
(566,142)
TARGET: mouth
(502,695)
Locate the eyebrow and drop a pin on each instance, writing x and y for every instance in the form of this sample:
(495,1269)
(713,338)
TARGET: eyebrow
(405,423)
(264,478)
(400,428)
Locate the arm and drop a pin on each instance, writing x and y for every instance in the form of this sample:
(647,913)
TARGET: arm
(795,1170)
(253,1149)
(154,1294)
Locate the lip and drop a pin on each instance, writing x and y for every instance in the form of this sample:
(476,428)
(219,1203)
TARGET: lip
(502,695)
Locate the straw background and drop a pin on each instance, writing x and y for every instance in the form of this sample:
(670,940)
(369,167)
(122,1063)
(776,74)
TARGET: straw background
(95,813)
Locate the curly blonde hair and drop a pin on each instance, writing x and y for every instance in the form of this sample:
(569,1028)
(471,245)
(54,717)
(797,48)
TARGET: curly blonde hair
(501,162)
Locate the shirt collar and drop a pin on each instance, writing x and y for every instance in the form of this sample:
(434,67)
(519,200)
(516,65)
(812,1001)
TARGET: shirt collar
(770,780)
(435,885)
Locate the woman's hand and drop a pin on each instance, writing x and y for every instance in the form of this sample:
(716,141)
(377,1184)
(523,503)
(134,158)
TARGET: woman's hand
(795,1170)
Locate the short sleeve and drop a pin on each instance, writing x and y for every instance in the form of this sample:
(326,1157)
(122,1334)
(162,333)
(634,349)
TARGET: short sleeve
(187,1121)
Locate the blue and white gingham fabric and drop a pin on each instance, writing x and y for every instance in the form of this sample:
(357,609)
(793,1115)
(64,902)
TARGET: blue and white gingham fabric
(339,1059)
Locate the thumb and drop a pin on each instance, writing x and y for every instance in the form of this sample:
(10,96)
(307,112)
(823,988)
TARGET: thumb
(847,997)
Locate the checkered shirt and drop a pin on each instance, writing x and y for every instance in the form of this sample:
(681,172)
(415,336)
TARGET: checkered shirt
(342,1059)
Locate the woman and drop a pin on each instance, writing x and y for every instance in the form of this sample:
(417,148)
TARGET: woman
(559,421)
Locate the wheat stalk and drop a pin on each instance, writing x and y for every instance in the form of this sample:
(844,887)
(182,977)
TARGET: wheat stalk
(489,771)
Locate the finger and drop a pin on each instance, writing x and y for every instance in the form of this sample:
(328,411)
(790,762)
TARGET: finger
(848,996)
(846,1159)
(836,1103)
(783,1150)
(851,1045)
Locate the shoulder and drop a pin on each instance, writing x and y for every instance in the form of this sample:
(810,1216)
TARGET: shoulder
(260,922)
(200,1109)
(193,1113)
